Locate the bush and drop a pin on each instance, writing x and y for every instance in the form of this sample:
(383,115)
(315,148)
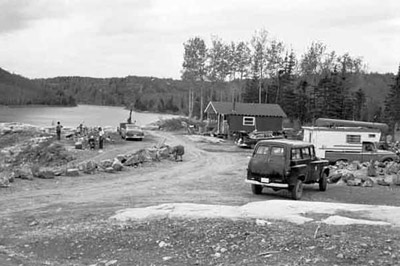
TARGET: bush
(179,123)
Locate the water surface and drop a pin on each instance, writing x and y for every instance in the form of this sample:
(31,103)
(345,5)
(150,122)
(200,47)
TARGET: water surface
(90,115)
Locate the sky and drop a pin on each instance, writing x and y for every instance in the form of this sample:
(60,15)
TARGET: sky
(117,38)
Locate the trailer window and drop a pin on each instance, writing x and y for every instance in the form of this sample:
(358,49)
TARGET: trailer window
(249,121)
(353,138)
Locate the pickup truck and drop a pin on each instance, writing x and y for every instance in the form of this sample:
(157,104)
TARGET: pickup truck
(367,152)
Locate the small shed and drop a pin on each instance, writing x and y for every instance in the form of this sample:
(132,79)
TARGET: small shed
(231,117)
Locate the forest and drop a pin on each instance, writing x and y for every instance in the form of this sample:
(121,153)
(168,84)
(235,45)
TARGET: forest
(317,83)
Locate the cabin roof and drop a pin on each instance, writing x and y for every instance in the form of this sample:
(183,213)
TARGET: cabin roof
(250,109)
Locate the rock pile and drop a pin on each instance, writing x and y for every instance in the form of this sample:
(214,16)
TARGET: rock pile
(116,164)
(365,174)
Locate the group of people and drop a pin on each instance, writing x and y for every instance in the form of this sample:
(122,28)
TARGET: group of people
(82,132)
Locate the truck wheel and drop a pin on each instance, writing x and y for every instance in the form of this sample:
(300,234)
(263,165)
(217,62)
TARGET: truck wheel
(256,189)
(297,190)
(323,181)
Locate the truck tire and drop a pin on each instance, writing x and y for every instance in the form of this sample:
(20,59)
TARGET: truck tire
(323,182)
(256,189)
(297,190)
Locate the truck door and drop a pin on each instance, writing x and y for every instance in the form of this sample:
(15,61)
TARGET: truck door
(368,151)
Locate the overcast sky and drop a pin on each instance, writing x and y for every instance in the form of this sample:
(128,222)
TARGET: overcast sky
(117,38)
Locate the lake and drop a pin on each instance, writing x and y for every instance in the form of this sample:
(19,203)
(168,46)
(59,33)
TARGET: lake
(90,115)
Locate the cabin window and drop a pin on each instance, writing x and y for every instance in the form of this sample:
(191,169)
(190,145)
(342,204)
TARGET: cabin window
(371,135)
(353,138)
(249,121)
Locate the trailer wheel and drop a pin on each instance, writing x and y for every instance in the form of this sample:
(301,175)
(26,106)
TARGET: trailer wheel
(297,190)
(256,189)
(323,182)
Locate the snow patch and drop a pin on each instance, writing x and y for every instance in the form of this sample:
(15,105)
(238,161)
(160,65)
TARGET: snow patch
(292,211)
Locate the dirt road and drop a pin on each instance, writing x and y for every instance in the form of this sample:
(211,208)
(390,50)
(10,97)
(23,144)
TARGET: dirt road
(211,173)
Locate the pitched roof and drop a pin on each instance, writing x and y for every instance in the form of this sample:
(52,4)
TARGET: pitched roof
(252,109)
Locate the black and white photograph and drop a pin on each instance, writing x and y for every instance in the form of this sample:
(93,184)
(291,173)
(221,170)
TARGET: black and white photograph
(199,132)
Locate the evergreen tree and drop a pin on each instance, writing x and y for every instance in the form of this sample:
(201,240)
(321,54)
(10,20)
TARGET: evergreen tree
(392,102)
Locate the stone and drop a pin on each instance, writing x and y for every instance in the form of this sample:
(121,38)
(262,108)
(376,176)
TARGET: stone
(88,167)
(164,152)
(109,170)
(4,182)
(367,182)
(72,172)
(45,174)
(106,163)
(122,158)
(347,176)
(334,178)
(117,165)
(143,156)
(23,173)
(396,180)
(132,160)
(354,182)
(371,170)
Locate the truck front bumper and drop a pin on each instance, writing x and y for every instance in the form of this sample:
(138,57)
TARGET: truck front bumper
(273,185)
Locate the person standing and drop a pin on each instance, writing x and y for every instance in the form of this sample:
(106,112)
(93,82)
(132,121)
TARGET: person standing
(101,138)
(58,130)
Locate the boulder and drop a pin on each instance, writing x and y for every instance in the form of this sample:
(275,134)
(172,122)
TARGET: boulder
(45,174)
(371,170)
(164,152)
(4,182)
(23,172)
(392,168)
(132,160)
(355,165)
(335,177)
(117,165)
(396,179)
(143,156)
(88,167)
(354,182)
(122,158)
(106,163)
(72,172)
(367,182)
(348,176)
(109,170)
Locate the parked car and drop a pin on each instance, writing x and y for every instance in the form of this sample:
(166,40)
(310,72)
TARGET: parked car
(249,140)
(286,164)
(131,131)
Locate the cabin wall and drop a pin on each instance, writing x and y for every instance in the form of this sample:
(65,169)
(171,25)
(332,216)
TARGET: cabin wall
(262,123)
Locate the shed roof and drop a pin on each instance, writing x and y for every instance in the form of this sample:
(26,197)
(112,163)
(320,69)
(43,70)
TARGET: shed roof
(253,109)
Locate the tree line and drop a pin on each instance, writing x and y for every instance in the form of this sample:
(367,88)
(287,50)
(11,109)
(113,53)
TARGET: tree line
(317,83)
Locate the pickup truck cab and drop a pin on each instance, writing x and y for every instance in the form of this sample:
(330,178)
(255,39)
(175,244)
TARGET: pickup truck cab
(286,164)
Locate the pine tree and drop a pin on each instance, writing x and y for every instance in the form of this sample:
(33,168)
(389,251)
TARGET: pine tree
(392,102)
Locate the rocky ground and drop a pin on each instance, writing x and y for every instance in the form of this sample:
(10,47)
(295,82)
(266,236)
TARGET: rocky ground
(66,220)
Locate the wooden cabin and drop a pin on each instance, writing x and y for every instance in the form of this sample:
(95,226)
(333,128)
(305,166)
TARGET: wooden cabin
(228,117)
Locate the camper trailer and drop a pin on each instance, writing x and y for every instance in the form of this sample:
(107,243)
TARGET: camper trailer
(340,140)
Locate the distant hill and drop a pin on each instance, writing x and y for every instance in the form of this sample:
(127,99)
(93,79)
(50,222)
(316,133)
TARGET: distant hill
(149,93)
(18,90)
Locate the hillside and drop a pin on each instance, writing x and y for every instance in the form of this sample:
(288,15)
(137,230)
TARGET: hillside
(149,93)
(18,90)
